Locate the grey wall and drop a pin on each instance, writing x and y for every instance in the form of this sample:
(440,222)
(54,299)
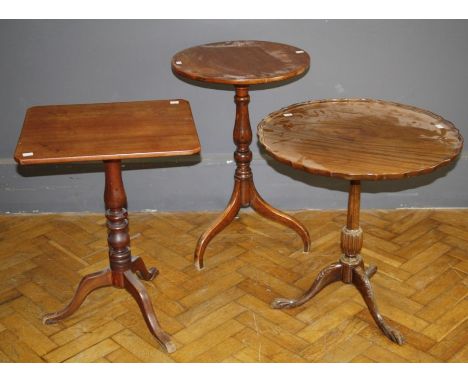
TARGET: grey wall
(423,63)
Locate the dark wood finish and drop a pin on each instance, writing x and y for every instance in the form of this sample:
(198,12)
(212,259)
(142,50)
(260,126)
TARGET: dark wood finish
(244,193)
(111,132)
(139,267)
(105,131)
(357,139)
(350,269)
(241,62)
(360,139)
(123,268)
(87,284)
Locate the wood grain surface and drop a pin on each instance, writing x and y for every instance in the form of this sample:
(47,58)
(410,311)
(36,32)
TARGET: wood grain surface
(360,139)
(223,314)
(104,131)
(241,62)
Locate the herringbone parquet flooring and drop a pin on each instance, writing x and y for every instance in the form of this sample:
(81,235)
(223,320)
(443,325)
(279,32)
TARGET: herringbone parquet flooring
(222,313)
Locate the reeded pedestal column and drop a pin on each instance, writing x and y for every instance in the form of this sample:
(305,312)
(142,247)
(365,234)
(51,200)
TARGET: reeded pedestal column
(350,268)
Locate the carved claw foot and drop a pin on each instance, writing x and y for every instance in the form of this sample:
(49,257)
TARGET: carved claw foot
(283,303)
(393,334)
(139,267)
(326,276)
(362,283)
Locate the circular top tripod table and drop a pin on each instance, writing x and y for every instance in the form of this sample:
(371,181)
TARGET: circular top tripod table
(110,132)
(357,140)
(242,64)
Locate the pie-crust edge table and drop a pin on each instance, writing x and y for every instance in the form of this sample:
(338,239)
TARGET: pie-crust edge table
(434,142)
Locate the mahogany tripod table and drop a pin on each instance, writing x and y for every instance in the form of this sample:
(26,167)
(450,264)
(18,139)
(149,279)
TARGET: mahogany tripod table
(110,132)
(242,64)
(357,140)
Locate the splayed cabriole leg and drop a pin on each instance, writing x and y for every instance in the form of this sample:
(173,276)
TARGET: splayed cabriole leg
(139,293)
(87,284)
(123,267)
(244,193)
(371,271)
(326,276)
(350,269)
(269,212)
(139,267)
(363,285)
(218,225)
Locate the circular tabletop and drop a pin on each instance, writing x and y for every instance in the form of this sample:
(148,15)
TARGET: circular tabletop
(359,139)
(241,62)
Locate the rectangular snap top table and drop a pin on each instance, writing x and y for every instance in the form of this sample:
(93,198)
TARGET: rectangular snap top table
(110,132)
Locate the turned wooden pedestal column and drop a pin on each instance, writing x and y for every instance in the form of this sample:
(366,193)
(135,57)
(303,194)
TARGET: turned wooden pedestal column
(124,269)
(357,140)
(110,132)
(242,64)
(245,194)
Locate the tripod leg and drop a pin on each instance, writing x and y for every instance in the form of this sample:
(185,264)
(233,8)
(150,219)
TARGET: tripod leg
(139,293)
(325,277)
(218,225)
(269,212)
(87,284)
(138,266)
(362,283)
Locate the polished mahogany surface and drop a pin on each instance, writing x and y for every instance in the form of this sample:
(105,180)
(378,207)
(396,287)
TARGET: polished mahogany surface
(105,131)
(241,62)
(359,138)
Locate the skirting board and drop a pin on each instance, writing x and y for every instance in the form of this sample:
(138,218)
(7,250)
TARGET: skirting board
(205,183)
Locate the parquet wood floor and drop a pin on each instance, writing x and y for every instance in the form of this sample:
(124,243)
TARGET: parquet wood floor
(222,313)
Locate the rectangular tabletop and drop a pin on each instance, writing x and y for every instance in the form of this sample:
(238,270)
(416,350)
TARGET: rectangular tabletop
(105,131)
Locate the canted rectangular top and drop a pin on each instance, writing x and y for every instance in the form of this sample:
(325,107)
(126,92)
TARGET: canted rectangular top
(105,131)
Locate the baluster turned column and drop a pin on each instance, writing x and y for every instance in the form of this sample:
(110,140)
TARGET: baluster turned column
(117,222)
(242,136)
